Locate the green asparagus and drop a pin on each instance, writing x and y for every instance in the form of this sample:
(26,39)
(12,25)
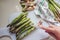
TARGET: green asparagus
(22,26)
(22,22)
(56,4)
(19,37)
(53,10)
(56,7)
(19,24)
(13,26)
(17,19)
(24,29)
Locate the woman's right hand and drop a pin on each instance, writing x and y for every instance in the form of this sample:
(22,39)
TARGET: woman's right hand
(52,30)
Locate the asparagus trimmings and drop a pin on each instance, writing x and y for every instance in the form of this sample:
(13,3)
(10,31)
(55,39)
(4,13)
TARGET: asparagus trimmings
(28,5)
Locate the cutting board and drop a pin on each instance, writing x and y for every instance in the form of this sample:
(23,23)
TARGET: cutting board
(37,34)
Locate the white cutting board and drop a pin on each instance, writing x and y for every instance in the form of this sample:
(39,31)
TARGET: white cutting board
(38,33)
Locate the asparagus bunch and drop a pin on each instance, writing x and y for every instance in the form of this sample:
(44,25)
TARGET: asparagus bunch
(55,8)
(17,19)
(21,26)
(19,37)
(20,23)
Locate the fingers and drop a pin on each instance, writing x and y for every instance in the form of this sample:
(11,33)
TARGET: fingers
(52,26)
(49,29)
(46,28)
(52,30)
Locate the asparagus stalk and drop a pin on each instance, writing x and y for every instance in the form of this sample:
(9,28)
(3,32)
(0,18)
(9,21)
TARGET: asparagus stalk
(55,11)
(13,26)
(56,4)
(19,24)
(56,7)
(19,37)
(52,9)
(23,29)
(22,22)
(22,26)
(17,19)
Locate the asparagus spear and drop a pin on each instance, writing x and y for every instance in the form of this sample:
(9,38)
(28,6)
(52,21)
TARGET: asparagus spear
(22,26)
(13,26)
(56,4)
(19,24)
(23,29)
(52,9)
(22,22)
(17,19)
(57,8)
(19,37)
(55,11)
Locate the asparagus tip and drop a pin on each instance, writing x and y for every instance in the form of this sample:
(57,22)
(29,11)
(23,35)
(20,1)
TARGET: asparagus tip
(8,25)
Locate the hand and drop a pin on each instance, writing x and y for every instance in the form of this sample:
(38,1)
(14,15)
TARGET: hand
(52,30)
